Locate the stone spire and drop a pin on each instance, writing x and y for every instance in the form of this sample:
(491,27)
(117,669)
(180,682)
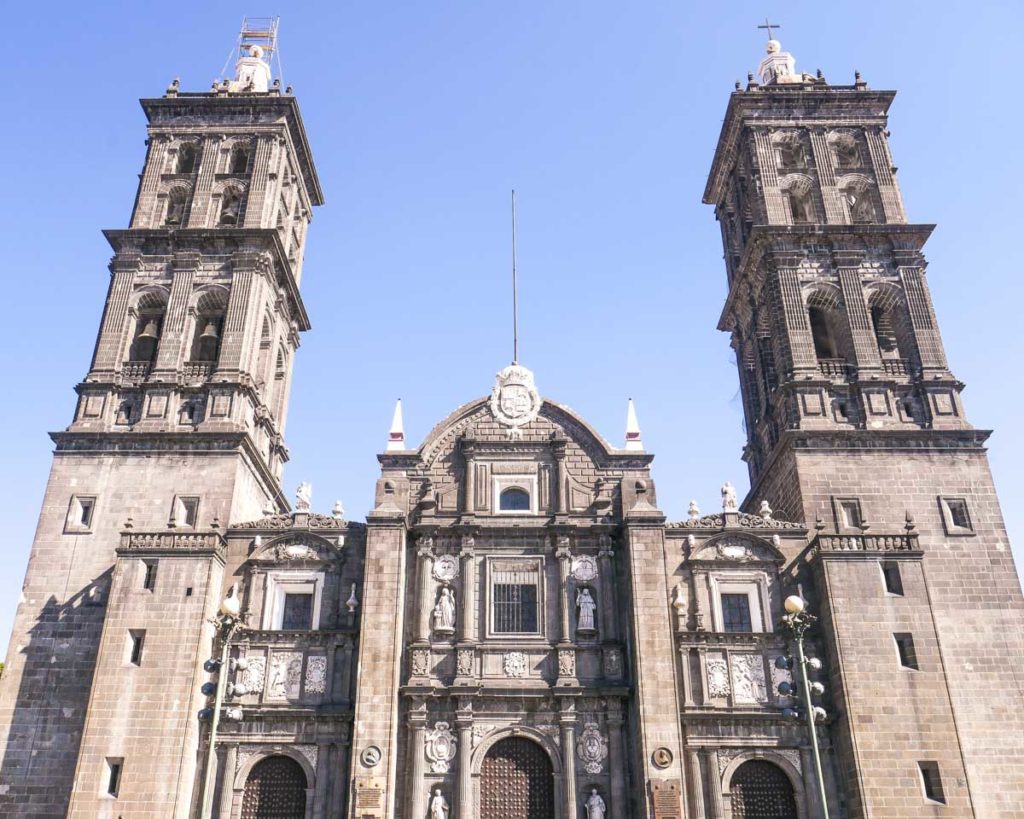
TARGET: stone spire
(778,66)
(396,436)
(633,441)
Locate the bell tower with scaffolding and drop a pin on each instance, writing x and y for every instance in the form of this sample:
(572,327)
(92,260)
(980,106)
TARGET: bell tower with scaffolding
(177,430)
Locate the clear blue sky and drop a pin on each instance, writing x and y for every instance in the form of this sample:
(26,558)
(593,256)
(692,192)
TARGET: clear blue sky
(422,117)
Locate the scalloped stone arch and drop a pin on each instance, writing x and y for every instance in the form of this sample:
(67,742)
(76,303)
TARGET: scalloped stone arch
(795,779)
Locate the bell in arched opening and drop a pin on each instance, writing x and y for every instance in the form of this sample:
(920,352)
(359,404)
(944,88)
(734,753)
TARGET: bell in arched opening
(144,348)
(208,343)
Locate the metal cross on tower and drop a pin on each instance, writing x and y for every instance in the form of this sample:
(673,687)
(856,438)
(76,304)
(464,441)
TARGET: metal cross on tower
(768,26)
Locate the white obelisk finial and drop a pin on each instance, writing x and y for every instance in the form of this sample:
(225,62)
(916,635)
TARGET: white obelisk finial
(396,436)
(633,441)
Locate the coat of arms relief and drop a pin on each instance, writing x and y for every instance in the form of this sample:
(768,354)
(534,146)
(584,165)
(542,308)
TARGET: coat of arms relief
(515,401)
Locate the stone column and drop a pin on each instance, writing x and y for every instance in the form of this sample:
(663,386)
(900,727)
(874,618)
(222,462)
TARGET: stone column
(696,784)
(322,775)
(616,760)
(558,450)
(417,787)
(607,624)
(464,724)
(563,554)
(715,810)
(227,781)
(425,597)
(468,451)
(567,723)
(467,615)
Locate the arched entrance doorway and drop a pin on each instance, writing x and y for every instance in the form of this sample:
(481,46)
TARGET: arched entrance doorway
(761,790)
(275,789)
(516,781)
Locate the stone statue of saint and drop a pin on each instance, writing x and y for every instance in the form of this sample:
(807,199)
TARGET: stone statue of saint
(694,511)
(596,808)
(439,805)
(444,611)
(303,495)
(587,607)
(729,497)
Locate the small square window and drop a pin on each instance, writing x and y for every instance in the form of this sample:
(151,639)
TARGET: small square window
(849,517)
(113,776)
(736,613)
(905,650)
(956,516)
(892,577)
(185,511)
(136,639)
(297,614)
(80,513)
(931,781)
(149,575)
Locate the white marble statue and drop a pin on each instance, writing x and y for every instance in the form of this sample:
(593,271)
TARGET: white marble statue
(444,611)
(303,495)
(439,805)
(694,511)
(587,607)
(596,808)
(765,510)
(729,497)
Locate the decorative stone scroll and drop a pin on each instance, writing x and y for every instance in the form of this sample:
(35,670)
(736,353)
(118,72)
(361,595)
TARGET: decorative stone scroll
(440,747)
(592,748)
(514,664)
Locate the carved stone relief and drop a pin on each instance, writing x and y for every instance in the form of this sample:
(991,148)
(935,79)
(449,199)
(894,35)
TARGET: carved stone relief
(446,568)
(420,662)
(514,664)
(440,747)
(612,662)
(592,748)
(285,674)
(254,674)
(584,568)
(316,674)
(748,678)
(566,662)
(464,662)
(718,677)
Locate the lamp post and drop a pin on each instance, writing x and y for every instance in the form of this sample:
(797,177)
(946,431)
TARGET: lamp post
(797,621)
(227,622)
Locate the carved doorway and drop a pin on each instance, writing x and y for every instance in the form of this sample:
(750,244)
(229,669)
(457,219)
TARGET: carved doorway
(517,782)
(760,790)
(275,789)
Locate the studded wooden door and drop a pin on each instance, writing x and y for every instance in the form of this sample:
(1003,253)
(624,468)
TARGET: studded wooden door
(275,789)
(517,782)
(760,790)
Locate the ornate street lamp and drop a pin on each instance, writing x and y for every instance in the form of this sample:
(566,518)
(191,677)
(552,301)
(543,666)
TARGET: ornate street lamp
(797,621)
(227,622)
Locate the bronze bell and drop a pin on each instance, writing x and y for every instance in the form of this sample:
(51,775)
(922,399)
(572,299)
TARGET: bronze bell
(210,332)
(149,331)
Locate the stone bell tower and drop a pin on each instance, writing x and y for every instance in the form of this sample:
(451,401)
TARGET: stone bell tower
(854,422)
(177,430)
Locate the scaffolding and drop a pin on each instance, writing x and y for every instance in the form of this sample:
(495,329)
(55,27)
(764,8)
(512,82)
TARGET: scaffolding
(256,31)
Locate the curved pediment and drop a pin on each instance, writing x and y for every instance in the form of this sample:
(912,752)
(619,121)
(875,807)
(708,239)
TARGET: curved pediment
(733,547)
(296,548)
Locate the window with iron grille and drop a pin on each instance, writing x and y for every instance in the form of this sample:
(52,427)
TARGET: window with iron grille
(736,612)
(515,587)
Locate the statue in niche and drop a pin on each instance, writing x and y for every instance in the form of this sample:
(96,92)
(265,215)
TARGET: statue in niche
(588,608)
(729,503)
(438,805)
(596,808)
(444,612)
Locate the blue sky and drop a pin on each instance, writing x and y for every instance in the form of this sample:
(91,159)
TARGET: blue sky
(422,117)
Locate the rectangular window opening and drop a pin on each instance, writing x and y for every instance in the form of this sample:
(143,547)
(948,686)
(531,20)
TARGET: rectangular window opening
(851,514)
(892,577)
(298,612)
(185,511)
(136,639)
(114,767)
(80,513)
(736,613)
(149,579)
(958,515)
(931,781)
(905,650)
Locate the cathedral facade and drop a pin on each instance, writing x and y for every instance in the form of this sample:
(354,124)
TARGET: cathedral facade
(516,630)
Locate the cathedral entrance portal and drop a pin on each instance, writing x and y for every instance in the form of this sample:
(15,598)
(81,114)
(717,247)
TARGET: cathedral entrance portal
(761,790)
(517,782)
(275,789)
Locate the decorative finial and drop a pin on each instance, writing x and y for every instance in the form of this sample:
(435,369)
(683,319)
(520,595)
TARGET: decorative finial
(396,435)
(694,511)
(738,85)
(338,512)
(352,602)
(766,510)
(303,495)
(819,523)
(633,441)
(909,525)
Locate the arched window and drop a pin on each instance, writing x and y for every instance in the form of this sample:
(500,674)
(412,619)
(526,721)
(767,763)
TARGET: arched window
(798,193)
(210,308)
(241,155)
(885,329)
(821,331)
(148,326)
(231,207)
(177,201)
(847,151)
(860,202)
(790,151)
(761,790)
(186,158)
(514,499)
(275,789)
